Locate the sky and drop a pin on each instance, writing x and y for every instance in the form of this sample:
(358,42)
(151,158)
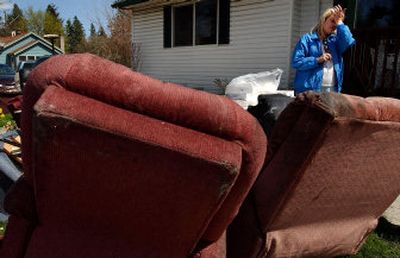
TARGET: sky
(87,11)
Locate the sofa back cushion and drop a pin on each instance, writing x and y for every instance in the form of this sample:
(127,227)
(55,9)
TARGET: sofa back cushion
(174,163)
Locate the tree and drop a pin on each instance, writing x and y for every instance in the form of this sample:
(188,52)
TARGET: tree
(98,42)
(35,21)
(75,36)
(69,30)
(52,9)
(101,32)
(116,44)
(92,31)
(78,29)
(121,48)
(16,21)
(53,24)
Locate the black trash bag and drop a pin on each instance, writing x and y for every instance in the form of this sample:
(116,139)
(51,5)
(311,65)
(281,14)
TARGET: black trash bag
(268,110)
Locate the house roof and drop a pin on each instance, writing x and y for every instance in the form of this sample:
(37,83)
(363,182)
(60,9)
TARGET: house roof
(20,38)
(8,39)
(30,45)
(125,3)
(22,48)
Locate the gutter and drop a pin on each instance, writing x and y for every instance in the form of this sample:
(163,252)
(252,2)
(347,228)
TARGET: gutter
(131,4)
(127,4)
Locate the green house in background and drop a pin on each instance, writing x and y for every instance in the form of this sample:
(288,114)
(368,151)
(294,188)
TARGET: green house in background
(17,48)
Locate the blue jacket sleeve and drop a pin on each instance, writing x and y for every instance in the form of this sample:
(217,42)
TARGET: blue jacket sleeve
(300,59)
(344,38)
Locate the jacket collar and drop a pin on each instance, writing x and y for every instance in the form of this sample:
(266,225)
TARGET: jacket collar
(314,36)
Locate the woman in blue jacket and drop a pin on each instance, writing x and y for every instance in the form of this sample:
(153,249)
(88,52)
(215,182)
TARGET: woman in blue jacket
(317,56)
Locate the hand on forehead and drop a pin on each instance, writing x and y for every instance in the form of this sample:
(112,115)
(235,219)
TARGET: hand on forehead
(338,13)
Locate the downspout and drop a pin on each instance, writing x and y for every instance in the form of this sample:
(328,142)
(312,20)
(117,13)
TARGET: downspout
(290,35)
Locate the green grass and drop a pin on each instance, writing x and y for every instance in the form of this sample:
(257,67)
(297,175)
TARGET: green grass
(383,243)
(377,246)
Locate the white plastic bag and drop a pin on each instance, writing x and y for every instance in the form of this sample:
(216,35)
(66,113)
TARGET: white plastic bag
(246,88)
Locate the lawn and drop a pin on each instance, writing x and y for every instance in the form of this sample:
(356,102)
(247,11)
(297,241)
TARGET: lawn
(383,243)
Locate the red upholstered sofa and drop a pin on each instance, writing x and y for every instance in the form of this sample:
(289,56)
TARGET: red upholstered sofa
(118,164)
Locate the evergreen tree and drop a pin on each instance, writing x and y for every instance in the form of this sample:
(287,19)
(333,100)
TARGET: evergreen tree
(69,31)
(101,32)
(16,20)
(75,36)
(53,24)
(92,31)
(52,9)
(78,27)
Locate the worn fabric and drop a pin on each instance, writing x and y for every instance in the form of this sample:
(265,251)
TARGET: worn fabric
(332,171)
(124,165)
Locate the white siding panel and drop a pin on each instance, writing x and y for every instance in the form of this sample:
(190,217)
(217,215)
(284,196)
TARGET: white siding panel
(325,4)
(296,26)
(259,38)
(310,12)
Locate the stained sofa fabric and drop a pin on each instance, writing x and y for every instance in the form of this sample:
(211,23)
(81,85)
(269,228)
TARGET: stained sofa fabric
(123,165)
(332,170)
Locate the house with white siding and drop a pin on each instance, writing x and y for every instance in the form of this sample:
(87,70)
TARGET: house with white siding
(195,42)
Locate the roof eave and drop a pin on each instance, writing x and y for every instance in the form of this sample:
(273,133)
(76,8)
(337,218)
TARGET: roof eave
(127,4)
(34,43)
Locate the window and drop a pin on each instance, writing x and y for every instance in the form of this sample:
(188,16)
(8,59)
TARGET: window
(183,25)
(22,58)
(198,23)
(206,22)
(31,57)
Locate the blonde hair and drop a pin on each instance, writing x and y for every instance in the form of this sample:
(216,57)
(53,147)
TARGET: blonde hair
(319,27)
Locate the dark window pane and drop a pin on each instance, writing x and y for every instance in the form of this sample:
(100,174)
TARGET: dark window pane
(183,25)
(206,21)
(167,26)
(22,58)
(224,21)
(31,58)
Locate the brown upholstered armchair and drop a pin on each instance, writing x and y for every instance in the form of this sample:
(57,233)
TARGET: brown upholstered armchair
(118,164)
(332,170)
